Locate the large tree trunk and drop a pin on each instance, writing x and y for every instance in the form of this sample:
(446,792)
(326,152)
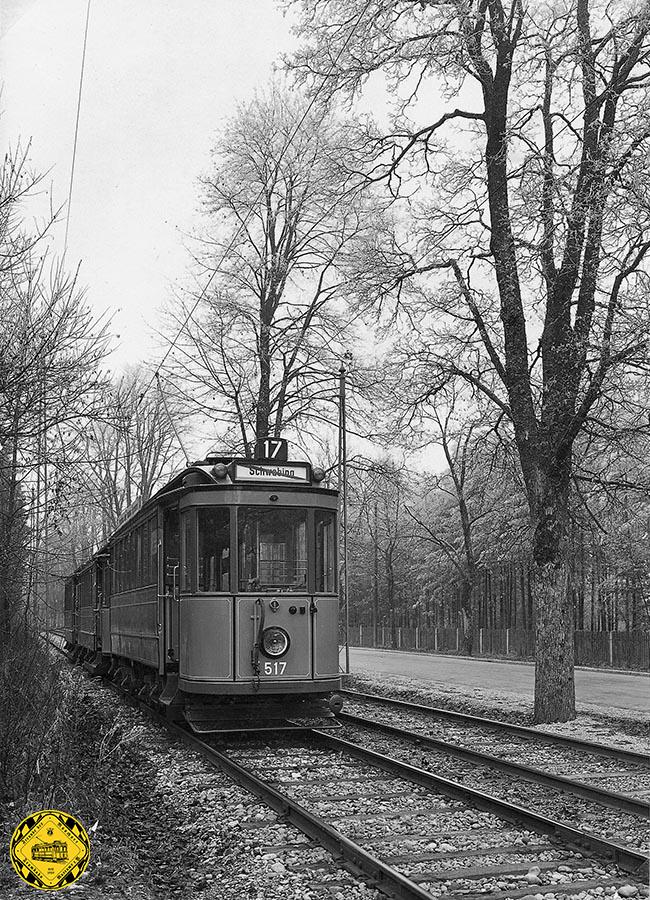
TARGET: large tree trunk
(375,581)
(554,653)
(554,685)
(467,611)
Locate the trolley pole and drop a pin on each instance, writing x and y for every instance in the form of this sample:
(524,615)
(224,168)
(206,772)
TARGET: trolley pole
(343,488)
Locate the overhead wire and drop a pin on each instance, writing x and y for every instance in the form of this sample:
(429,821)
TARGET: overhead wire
(76,126)
(171,420)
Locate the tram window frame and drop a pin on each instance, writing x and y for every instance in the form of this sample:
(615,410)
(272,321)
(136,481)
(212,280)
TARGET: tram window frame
(134,559)
(249,583)
(133,556)
(117,571)
(124,568)
(144,553)
(85,589)
(188,551)
(202,512)
(128,561)
(321,578)
(137,554)
(153,550)
(115,563)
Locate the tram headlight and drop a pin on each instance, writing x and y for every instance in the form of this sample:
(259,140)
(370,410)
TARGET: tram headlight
(275,642)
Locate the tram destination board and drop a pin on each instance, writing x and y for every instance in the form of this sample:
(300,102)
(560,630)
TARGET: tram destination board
(271,471)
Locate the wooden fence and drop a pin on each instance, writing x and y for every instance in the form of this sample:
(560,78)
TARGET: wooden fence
(613,649)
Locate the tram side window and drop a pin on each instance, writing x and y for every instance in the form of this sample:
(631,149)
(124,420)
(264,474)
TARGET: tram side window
(137,562)
(117,572)
(272,549)
(122,572)
(171,548)
(325,551)
(153,551)
(128,561)
(86,589)
(188,550)
(214,549)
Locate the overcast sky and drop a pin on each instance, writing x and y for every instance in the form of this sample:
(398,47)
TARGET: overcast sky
(160,78)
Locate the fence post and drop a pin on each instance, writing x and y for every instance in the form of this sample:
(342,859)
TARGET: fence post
(480,641)
(417,638)
(435,639)
(457,640)
(507,642)
(361,635)
(611,648)
(399,637)
(383,635)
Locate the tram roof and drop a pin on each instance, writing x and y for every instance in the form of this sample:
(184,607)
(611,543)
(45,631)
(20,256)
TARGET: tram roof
(204,470)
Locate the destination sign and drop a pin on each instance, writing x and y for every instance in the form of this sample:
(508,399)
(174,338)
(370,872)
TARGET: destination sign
(255,471)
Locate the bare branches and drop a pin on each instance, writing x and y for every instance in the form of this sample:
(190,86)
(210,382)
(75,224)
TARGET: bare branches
(51,354)
(544,202)
(279,306)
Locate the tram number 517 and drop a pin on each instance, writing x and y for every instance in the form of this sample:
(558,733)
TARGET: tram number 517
(274,668)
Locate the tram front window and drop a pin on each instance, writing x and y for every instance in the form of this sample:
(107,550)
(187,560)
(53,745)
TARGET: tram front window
(325,551)
(214,549)
(272,549)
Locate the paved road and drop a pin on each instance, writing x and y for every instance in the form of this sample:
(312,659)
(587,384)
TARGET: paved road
(597,686)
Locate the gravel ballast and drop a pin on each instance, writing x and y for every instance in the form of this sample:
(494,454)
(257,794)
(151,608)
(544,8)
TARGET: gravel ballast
(174,826)
(169,824)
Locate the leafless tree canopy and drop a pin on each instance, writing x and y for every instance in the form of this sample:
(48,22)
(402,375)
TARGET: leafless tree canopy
(51,350)
(265,341)
(526,231)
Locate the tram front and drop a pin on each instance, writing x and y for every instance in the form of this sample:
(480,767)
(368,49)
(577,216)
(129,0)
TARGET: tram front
(258,602)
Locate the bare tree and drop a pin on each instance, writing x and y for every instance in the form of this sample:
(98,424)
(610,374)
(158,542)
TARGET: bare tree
(51,349)
(382,543)
(529,234)
(128,453)
(260,348)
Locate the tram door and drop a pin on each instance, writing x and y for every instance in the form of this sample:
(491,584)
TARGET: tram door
(172,574)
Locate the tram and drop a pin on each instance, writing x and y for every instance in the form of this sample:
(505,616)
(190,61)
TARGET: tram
(217,598)
(50,851)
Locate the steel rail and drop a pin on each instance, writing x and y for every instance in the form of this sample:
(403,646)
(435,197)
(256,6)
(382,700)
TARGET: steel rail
(520,730)
(382,876)
(530,773)
(361,863)
(631,860)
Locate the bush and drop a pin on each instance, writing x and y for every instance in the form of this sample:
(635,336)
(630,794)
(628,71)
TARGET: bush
(58,737)
(30,698)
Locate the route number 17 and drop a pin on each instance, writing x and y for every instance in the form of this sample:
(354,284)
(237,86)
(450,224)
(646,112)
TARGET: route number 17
(274,668)
(271,448)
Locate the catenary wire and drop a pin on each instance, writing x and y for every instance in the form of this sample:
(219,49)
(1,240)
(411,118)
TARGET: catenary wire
(76,126)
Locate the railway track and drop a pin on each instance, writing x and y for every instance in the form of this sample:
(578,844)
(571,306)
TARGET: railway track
(409,832)
(413,834)
(611,775)
(615,816)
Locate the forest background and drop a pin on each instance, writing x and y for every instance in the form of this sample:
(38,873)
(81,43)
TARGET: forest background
(481,274)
